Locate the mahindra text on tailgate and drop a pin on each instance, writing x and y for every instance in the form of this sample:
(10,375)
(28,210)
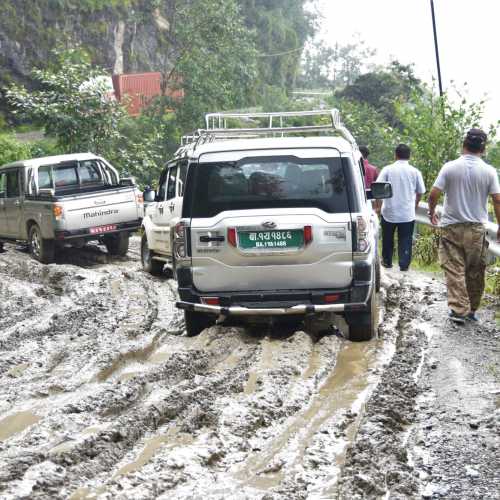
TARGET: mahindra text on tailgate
(271,221)
(101,213)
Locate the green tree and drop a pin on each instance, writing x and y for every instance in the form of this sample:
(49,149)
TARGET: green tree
(383,89)
(73,105)
(211,57)
(369,128)
(434,128)
(280,29)
(334,67)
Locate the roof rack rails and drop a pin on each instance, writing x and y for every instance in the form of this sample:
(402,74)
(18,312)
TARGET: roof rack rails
(222,126)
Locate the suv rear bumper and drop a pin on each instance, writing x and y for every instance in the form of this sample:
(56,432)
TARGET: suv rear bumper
(300,309)
(351,301)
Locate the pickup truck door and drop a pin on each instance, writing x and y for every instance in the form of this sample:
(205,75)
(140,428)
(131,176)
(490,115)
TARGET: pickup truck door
(12,204)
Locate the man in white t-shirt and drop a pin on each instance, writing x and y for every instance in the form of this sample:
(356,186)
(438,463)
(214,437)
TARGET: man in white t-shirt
(467,182)
(398,212)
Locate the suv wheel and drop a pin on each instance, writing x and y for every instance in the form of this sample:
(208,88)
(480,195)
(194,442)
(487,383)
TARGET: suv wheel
(41,249)
(149,265)
(196,322)
(117,244)
(363,326)
(377,273)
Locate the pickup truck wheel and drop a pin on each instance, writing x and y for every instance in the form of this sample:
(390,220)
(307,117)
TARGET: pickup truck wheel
(41,249)
(117,244)
(363,326)
(151,266)
(196,322)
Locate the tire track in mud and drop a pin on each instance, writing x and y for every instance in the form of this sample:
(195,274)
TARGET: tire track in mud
(237,426)
(110,401)
(84,320)
(377,464)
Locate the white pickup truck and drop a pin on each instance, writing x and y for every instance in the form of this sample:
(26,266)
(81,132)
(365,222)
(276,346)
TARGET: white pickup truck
(67,199)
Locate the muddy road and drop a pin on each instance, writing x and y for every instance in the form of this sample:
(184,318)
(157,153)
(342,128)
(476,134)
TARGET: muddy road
(103,396)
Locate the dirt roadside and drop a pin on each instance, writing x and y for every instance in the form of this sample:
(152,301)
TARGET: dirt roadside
(102,396)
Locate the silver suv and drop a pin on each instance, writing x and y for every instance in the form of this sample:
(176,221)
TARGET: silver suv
(268,220)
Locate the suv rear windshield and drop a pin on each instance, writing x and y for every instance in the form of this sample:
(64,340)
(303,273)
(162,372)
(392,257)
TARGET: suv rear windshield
(269,182)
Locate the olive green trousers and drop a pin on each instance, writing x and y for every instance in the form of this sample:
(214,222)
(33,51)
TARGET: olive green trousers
(463,250)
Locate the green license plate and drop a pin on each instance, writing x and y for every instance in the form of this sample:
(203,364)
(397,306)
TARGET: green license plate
(293,238)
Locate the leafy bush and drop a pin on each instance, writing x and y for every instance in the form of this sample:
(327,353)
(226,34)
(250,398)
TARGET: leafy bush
(425,250)
(12,150)
(493,280)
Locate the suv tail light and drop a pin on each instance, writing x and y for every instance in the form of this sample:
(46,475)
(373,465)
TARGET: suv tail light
(231,236)
(333,297)
(180,240)
(210,301)
(308,235)
(362,234)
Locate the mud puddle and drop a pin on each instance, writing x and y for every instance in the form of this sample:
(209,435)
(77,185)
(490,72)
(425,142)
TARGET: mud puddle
(16,423)
(103,396)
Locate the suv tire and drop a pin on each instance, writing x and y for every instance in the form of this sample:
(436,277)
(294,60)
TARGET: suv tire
(42,250)
(377,273)
(151,266)
(364,326)
(196,322)
(117,244)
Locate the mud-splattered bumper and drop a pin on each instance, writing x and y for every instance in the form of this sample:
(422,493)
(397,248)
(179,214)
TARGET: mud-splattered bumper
(301,309)
(354,299)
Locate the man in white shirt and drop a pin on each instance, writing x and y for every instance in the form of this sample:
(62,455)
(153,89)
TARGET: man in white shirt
(467,182)
(398,212)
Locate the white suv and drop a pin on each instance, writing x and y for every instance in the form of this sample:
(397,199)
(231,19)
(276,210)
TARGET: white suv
(258,220)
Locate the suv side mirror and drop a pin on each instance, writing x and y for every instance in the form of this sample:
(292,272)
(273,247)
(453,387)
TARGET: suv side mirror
(379,191)
(149,195)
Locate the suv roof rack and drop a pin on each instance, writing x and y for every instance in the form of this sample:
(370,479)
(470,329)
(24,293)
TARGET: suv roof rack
(221,126)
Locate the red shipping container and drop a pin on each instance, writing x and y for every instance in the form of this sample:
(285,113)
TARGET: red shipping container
(139,89)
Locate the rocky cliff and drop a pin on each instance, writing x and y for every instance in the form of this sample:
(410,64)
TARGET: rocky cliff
(120,35)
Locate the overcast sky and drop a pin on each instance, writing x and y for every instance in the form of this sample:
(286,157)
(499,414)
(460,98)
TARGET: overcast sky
(468,32)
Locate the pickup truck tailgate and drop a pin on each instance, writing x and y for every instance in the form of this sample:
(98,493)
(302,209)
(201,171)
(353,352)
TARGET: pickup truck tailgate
(112,206)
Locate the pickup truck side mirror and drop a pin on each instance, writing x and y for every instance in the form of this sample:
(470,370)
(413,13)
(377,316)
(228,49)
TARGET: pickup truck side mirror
(46,192)
(379,191)
(149,195)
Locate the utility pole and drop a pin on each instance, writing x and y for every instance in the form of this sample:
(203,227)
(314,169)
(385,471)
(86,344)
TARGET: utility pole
(437,49)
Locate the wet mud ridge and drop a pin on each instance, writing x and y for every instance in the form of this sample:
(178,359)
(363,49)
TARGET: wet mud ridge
(103,396)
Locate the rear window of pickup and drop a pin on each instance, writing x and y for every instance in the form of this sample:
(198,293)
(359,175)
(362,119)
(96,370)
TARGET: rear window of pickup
(74,175)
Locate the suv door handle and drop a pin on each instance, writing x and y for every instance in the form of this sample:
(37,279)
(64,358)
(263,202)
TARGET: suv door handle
(171,206)
(160,209)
